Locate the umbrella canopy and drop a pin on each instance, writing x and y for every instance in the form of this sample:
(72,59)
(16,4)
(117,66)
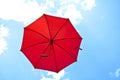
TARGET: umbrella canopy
(51,43)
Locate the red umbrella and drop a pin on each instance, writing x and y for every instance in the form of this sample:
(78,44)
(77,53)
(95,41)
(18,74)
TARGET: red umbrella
(51,43)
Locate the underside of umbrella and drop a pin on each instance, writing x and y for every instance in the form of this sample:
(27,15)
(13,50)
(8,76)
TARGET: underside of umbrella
(51,43)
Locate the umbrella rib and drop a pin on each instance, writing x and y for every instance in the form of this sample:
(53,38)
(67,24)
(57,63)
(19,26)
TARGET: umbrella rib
(64,50)
(60,29)
(55,59)
(35,45)
(65,39)
(37,33)
(48,27)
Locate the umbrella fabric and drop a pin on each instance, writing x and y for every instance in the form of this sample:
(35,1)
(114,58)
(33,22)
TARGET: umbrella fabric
(51,43)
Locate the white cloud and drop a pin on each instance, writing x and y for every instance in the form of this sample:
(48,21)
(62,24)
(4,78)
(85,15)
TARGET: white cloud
(117,73)
(88,4)
(28,10)
(70,11)
(54,76)
(51,4)
(22,10)
(3,43)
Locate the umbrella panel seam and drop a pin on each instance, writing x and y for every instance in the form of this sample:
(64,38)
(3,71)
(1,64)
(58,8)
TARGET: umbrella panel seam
(65,39)
(65,51)
(41,56)
(34,45)
(60,28)
(37,33)
(55,59)
(48,27)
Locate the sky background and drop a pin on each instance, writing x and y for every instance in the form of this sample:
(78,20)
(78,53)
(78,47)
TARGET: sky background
(97,21)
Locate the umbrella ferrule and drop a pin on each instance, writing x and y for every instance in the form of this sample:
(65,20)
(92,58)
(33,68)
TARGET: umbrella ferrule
(51,41)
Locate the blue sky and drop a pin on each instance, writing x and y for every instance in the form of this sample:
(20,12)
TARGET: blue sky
(97,21)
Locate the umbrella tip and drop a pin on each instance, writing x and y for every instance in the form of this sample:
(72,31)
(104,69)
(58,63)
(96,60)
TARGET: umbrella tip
(80,48)
(44,14)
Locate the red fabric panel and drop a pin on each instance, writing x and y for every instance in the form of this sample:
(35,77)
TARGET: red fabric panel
(67,31)
(54,24)
(71,46)
(48,63)
(62,58)
(31,38)
(40,26)
(34,53)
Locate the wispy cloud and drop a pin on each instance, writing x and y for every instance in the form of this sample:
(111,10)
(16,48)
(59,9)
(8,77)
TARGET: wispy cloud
(88,4)
(73,9)
(54,76)
(3,43)
(115,74)
(28,10)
